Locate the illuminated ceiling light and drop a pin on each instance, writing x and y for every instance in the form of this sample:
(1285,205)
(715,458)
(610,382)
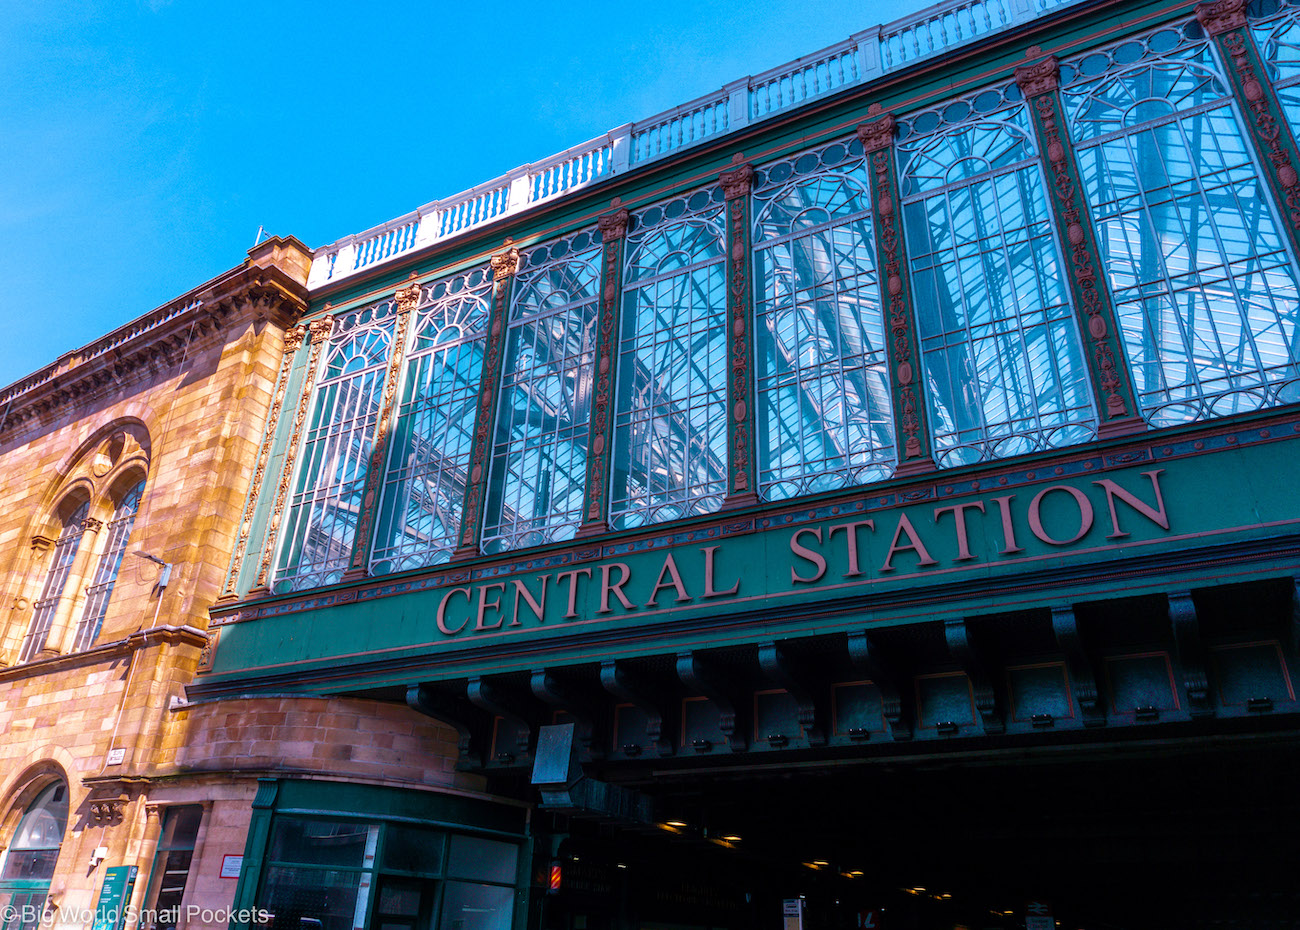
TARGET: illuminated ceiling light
(676,823)
(732,838)
(622,865)
(820,862)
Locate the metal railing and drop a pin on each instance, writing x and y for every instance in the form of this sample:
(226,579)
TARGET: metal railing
(857,60)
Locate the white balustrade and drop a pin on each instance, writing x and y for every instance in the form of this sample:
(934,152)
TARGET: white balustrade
(860,58)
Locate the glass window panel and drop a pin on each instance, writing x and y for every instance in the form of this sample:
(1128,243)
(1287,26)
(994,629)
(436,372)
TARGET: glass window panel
(413,849)
(824,410)
(110,562)
(322,842)
(539,457)
(482,859)
(467,906)
(670,425)
(56,579)
(1204,286)
(321,518)
(311,899)
(433,427)
(999,347)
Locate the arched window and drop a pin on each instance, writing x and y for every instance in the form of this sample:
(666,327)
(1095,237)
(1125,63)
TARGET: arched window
(56,582)
(30,859)
(110,562)
(433,428)
(539,458)
(322,514)
(670,411)
(999,343)
(1205,286)
(824,409)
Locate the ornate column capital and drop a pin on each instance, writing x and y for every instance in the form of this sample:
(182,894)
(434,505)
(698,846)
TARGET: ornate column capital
(91,525)
(1039,78)
(878,134)
(293,339)
(321,328)
(505,264)
(1221,16)
(613,225)
(408,297)
(737,182)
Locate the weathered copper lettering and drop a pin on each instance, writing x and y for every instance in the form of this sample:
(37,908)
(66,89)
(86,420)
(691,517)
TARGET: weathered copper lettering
(617,587)
(913,542)
(851,533)
(811,555)
(710,572)
(958,512)
(1085,514)
(442,611)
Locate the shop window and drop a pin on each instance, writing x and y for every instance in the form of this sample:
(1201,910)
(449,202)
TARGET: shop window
(56,583)
(1204,284)
(824,409)
(999,343)
(110,563)
(320,873)
(433,426)
(31,857)
(321,518)
(171,864)
(539,456)
(670,412)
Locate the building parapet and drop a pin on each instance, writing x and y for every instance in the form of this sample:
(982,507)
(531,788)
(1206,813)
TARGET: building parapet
(857,60)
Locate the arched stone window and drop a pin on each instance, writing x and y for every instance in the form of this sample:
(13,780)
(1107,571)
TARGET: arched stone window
(31,856)
(55,586)
(110,563)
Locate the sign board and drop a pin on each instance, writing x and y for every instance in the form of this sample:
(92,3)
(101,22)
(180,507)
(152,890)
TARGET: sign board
(792,914)
(869,920)
(114,896)
(230,866)
(116,756)
(1038,916)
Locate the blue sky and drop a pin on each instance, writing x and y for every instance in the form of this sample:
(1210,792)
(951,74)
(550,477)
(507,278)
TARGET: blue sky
(142,144)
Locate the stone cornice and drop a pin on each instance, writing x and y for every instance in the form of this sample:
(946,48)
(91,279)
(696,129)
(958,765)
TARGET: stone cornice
(142,639)
(269,286)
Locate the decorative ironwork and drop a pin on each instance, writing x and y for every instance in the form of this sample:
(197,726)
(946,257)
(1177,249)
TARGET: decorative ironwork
(293,339)
(877,139)
(319,331)
(736,185)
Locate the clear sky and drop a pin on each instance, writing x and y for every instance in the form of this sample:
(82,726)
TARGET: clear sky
(143,143)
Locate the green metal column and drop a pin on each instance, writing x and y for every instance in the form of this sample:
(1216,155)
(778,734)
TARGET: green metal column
(504,267)
(1112,382)
(742,487)
(358,566)
(911,421)
(318,333)
(600,439)
(1225,21)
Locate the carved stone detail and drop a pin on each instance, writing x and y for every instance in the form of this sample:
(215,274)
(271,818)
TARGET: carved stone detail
(1106,362)
(878,134)
(319,331)
(801,684)
(475,486)
(703,678)
(505,264)
(292,342)
(1222,16)
(869,659)
(457,714)
(357,567)
(962,645)
(740,310)
(1191,653)
(489,697)
(1270,132)
(91,525)
(877,138)
(1086,691)
(622,682)
(1042,77)
(108,812)
(41,543)
(613,228)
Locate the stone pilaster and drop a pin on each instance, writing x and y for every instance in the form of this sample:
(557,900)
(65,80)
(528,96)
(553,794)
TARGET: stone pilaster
(911,421)
(595,508)
(358,566)
(293,340)
(318,332)
(1112,382)
(742,485)
(504,267)
(1225,21)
